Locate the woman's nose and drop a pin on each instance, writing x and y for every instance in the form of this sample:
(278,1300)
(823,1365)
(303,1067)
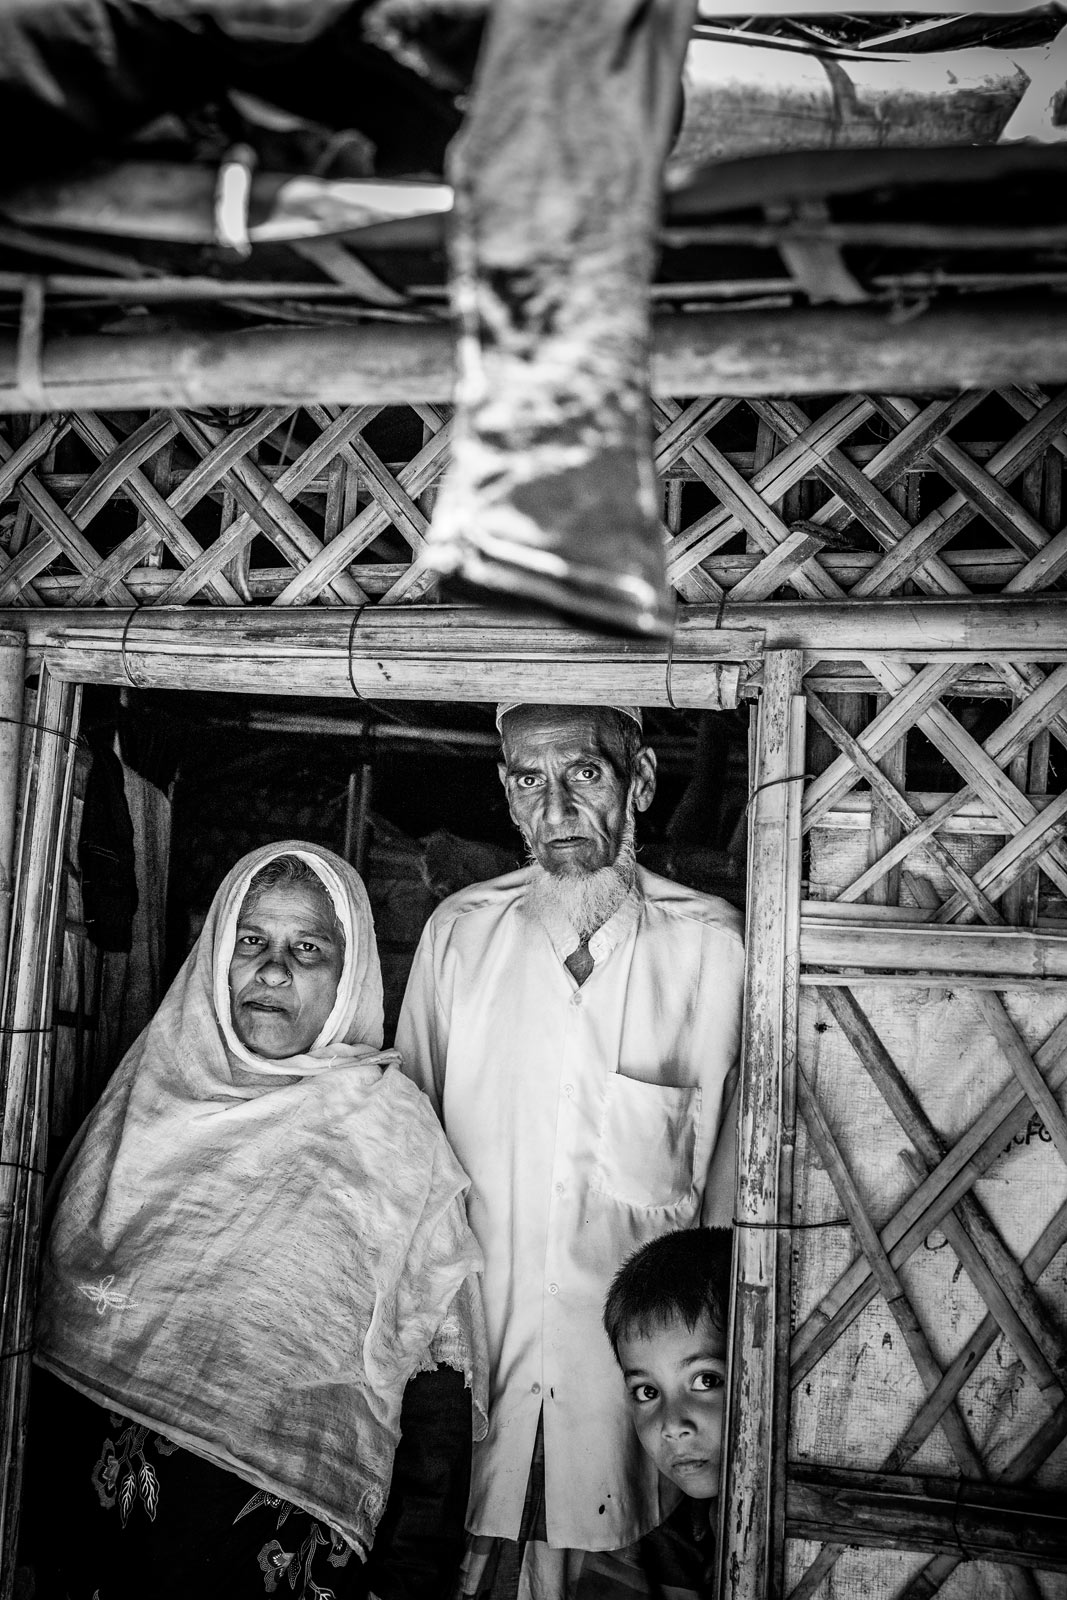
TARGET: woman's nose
(273,971)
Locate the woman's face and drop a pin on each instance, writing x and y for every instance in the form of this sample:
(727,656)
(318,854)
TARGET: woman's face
(285,968)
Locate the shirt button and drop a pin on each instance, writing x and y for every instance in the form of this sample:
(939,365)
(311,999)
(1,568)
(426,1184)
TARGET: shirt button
(535,1388)
(576,999)
(568,1089)
(559,1188)
(553,1288)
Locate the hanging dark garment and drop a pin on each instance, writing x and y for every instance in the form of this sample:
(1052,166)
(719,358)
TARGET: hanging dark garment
(106,854)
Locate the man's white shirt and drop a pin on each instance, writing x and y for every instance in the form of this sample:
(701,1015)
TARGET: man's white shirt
(586,1119)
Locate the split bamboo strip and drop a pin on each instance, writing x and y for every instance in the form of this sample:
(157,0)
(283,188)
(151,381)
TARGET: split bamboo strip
(1006,1113)
(25,1057)
(895,804)
(1013,735)
(192,488)
(12,676)
(886,1277)
(1042,1254)
(958,346)
(364,526)
(1028,848)
(859,493)
(1022,1063)
(981,1341)
(978,494)
(978,769)
(747,1562)
(989,1263)
(99,437)
(267,509)
(1022,1465)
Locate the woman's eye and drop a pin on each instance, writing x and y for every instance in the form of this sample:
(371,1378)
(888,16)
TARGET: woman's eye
(249,940)
(707,1381)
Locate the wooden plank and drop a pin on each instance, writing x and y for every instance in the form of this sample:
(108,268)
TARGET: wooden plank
(747,1559)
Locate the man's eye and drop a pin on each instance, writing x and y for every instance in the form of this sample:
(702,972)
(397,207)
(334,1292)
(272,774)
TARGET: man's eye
(707,1381)
(588,774)
(643,1393)
(526,780)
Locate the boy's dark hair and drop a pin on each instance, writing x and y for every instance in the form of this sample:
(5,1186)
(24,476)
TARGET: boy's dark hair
(685,1274)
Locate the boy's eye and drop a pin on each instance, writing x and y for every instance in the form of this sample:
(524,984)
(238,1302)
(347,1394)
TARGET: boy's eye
(704,1382)
(642,1393)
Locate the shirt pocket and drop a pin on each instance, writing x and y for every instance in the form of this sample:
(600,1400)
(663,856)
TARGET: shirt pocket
(647,1144)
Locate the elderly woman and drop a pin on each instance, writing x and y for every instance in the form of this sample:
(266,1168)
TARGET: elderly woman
(257,1290)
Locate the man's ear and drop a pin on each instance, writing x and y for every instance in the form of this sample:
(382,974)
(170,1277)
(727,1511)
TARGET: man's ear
(643,787)
(502,772)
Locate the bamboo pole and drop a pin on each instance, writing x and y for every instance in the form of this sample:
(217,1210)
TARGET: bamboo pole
(465,653)
(754,1434)
(12,675)
(26,1042)
(954,951)
(815,351)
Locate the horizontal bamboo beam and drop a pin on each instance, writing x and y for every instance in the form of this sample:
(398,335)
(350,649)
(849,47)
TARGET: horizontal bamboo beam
(713,10)
(956,951)
(384,653)
(984,345)
(468,653)
(983,1522)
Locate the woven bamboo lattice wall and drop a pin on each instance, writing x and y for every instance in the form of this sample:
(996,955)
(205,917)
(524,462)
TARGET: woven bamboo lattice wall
(929,1299)
(867,496)
(935,911)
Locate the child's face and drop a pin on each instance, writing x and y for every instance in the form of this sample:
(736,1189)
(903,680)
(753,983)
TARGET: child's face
(676,1377)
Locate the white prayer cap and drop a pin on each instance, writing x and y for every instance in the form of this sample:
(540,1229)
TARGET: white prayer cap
(633,712)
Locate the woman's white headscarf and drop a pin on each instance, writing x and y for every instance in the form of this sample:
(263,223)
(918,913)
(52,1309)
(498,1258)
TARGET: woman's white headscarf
(254,1256)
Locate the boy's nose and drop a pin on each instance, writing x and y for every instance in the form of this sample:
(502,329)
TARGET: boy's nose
(676,1424)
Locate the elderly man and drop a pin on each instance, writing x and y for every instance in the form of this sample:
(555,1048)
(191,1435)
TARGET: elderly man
(576,1025)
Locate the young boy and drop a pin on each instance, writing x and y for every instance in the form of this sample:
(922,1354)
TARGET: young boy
(665,1315)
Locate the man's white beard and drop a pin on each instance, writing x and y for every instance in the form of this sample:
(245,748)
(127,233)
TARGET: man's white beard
(581,902)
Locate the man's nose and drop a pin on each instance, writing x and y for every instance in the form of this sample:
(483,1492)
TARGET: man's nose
(559,804)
